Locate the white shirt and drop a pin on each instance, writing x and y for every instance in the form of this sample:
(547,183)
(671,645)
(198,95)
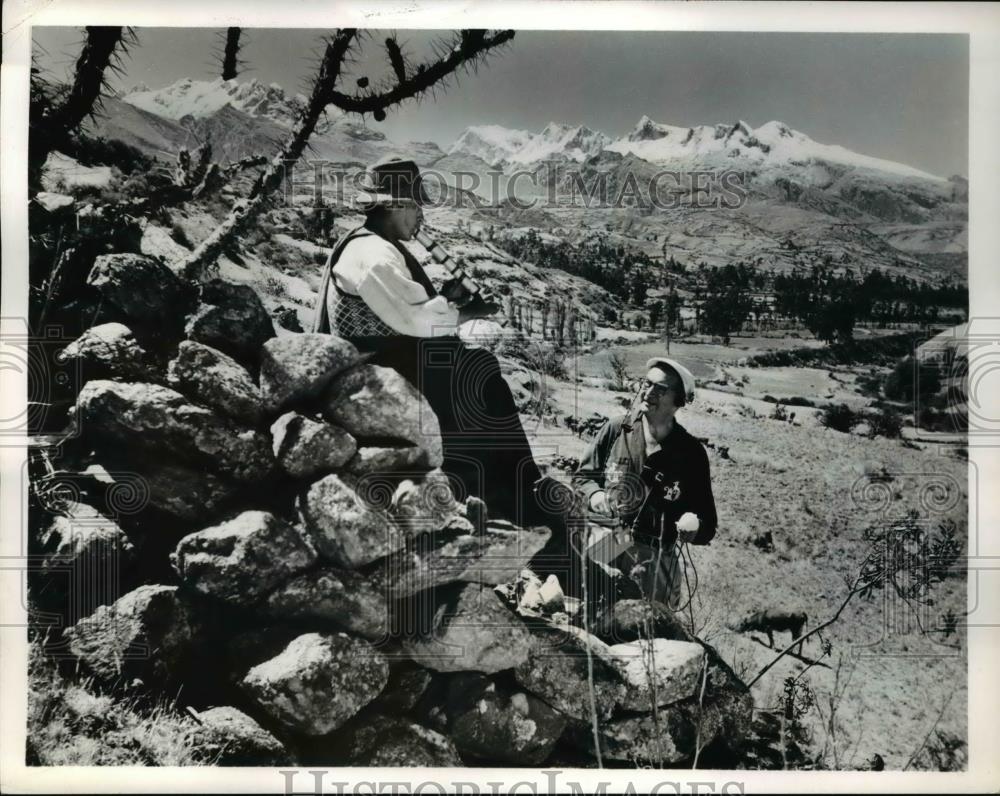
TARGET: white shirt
(372,268)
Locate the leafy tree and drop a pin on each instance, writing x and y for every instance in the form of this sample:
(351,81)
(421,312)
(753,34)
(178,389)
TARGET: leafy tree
(654,314)
(910,380)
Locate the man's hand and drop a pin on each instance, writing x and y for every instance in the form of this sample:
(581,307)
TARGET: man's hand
(599,504)
(478,307)
(687,526)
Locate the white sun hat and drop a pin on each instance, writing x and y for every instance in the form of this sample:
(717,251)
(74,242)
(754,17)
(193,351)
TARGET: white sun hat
(687,378)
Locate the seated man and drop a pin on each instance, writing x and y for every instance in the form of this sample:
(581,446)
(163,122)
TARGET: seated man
(378,296)
(646,471)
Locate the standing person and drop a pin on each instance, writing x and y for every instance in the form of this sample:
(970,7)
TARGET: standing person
(646,470)
(378,296)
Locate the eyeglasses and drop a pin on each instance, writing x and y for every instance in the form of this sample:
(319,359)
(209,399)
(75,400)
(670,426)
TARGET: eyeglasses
(648,387)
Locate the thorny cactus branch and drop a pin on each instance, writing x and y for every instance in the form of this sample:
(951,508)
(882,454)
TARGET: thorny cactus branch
(396,59)
(102,50)
(246,210)
(470,47)
(88,80)
(229,60)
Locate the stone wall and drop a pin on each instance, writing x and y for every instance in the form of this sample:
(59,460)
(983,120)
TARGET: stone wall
(294,561)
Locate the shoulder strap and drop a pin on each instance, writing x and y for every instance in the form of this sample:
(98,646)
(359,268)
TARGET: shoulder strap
(321,320)
(417,272)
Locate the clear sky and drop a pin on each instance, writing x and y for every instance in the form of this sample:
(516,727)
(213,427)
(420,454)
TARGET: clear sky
(898,96)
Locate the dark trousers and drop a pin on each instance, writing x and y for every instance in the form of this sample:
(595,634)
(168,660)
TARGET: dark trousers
(485,448)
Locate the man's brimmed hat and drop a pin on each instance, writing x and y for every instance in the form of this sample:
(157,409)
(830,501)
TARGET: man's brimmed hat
(391,180)
(686,377)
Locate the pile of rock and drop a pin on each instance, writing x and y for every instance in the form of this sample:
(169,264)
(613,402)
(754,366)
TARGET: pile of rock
(320,587)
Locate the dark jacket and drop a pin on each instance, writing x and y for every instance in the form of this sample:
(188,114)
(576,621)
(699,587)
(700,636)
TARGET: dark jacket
(651,494)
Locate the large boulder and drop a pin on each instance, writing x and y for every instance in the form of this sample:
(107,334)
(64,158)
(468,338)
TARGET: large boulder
(558,671)
(377,403)
(631,620)
(146,291)
(344,598)
(87,561)
(392,742)
(494,556)
(658,671)
(380,460)
(82,539)
(471,630)
(146,634)
(242,559)
(110,351)
(55,205)
(230,737)
(231,318)
(668,737)
(344,528)
(156,242)
(732,700)
(426,503)
(408,683)
(126,487)
(157,419)
(491,722)
(305,448)
(318,682)
(184,492)
(721,715)
(295,368)
(252,647)
(664,740)
(210,377)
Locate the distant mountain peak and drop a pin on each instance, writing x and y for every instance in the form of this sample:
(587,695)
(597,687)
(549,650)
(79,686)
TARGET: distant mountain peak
(495,144)
(490,142)
(774,145)
(200,98)
(648,130)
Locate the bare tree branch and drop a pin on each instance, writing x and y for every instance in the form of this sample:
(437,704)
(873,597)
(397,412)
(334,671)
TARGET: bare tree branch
(855,588)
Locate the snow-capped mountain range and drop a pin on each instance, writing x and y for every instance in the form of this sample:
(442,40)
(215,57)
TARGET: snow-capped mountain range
(736,144)
(825,198)
(198,98)
(772,144)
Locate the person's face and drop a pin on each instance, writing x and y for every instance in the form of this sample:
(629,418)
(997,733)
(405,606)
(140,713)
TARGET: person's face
(406,220)
(657,395)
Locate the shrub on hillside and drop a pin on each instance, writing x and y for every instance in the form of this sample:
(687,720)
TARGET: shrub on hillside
(543,357)
(885,422)
(839,417)
(618,374)
(795,400)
